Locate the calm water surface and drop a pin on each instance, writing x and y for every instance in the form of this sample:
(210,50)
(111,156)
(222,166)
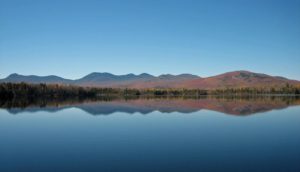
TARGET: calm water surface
(152,135)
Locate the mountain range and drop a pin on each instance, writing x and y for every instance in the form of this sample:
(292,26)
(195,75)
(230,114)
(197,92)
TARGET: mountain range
(235,79)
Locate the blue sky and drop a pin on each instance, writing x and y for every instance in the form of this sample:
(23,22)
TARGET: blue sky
(73,38)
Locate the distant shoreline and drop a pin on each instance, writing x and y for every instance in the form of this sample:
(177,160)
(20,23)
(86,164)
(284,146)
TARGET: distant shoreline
(31,91)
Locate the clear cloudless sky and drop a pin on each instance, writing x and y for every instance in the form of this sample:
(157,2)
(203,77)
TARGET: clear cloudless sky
(72,38)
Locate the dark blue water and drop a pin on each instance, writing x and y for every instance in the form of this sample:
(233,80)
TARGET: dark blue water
(74,139)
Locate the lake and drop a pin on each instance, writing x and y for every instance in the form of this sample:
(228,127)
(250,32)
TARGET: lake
(160,134)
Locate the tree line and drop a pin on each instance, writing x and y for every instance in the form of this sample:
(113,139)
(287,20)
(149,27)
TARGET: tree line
(57,91)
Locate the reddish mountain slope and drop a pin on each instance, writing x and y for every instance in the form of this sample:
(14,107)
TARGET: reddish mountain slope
(238,79)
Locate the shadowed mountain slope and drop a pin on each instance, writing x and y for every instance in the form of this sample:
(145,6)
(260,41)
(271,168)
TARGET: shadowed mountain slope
(51,79)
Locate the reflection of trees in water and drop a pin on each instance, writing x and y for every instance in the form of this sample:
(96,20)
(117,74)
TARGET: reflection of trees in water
(241,105)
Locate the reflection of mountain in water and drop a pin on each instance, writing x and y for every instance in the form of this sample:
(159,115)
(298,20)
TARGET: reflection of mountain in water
(234,106)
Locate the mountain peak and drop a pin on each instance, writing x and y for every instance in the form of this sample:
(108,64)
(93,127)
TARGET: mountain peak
(145,75)
(13,75)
